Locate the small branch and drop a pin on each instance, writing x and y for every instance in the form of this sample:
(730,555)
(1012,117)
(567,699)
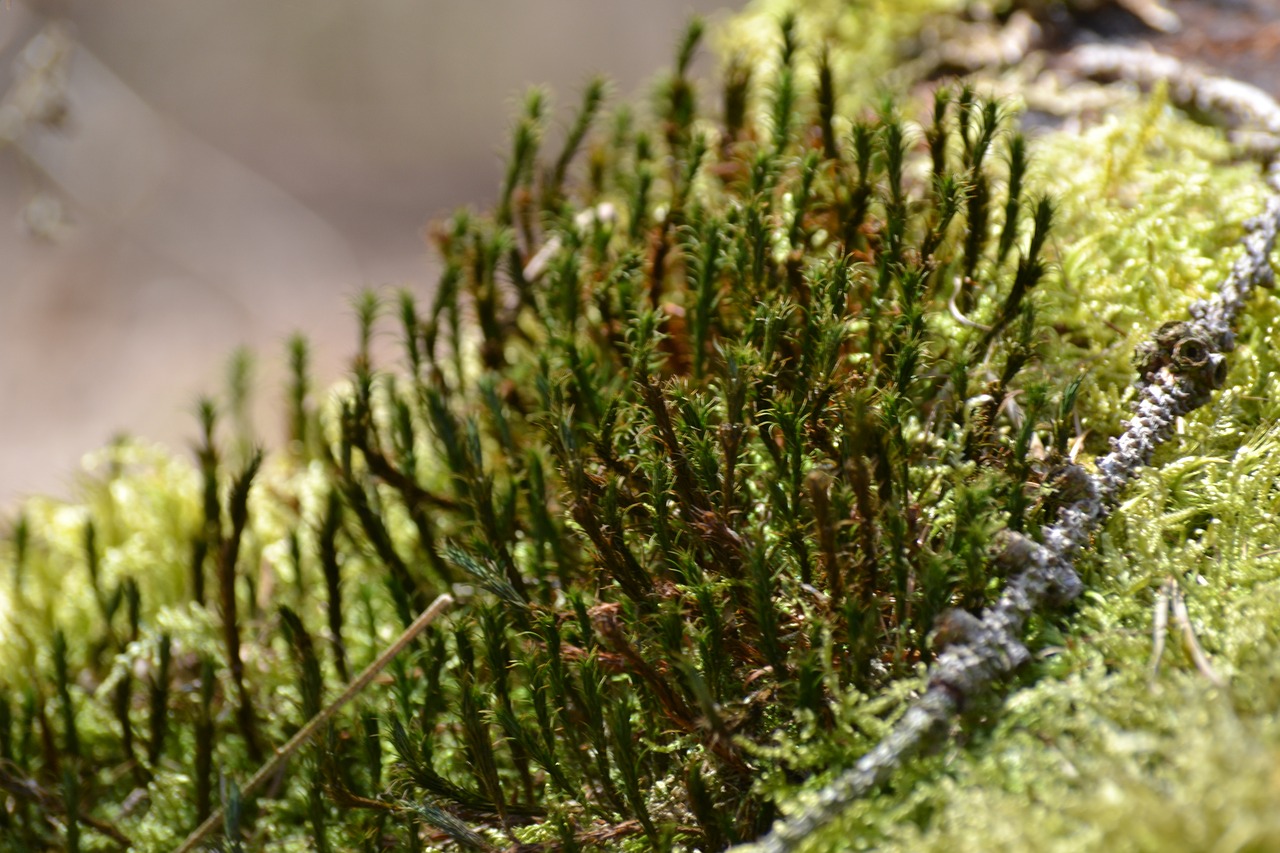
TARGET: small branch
(1229,102)
(439,606)
(955,309)
(1201,660)
(1160,627)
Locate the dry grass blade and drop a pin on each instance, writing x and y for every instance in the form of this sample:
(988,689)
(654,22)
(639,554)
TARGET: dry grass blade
(439,606)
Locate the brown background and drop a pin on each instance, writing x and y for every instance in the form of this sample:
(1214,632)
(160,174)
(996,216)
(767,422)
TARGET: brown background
(236,171)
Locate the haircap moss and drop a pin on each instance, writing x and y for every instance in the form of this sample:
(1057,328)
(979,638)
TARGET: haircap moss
(710,428)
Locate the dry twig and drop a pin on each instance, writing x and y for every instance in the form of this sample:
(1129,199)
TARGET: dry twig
(314,725)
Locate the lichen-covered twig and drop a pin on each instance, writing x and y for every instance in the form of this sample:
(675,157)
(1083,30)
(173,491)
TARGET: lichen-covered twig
(1229,102)
(1179,369)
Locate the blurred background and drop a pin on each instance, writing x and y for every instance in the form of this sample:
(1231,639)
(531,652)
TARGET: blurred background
(178,180)
(181,179)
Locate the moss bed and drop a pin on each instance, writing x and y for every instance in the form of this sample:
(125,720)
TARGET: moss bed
(707,428)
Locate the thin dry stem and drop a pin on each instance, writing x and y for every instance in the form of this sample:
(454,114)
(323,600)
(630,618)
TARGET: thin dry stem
(282,754)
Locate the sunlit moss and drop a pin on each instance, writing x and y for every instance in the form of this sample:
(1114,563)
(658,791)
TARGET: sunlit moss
(868,40)
(1150,204)
(1102,754)
(704,481)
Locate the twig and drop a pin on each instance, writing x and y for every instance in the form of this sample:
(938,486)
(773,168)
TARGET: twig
(1159,627)
(955,309)
(1230,102)
(439,606)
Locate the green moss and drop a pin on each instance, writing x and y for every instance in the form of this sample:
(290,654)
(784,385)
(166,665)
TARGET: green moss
(1095,752)
(866,41)
(1101,754)
(706,439)
(1150,203)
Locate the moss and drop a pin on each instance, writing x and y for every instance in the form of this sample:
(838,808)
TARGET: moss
(867,41)
(1099,753)
(709,441)
(1150,203)
(1095,752)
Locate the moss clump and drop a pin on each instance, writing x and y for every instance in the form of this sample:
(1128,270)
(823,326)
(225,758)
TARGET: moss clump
(710,433)
(1096,751)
